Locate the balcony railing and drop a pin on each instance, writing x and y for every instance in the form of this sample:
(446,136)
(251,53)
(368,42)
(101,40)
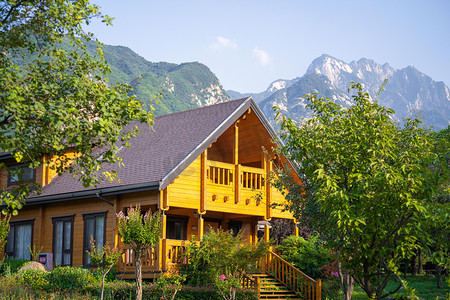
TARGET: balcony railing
(222,174)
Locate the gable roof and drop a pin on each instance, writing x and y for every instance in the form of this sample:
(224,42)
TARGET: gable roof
(158,155)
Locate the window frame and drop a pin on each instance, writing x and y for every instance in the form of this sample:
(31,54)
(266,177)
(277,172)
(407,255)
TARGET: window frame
(86,245)
(23,166)
(184,220)
(63,219)
(13,224)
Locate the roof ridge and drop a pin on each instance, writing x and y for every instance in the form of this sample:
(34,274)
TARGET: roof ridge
(200,108)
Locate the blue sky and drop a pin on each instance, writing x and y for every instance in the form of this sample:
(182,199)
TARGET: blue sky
(249,44)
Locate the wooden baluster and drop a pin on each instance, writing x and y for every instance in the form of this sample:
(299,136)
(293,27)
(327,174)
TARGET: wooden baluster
(318,289)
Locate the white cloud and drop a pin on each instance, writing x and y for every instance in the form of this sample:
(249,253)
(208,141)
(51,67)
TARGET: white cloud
(222,42)
(262,56)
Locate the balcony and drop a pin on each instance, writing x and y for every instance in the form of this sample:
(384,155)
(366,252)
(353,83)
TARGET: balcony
(167,255)
(222,185)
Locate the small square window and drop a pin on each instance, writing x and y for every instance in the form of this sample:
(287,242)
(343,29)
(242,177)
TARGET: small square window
(23,170)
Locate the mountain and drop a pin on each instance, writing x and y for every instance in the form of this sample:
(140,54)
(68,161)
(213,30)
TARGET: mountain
(165,86)
(408,91)
(258,97)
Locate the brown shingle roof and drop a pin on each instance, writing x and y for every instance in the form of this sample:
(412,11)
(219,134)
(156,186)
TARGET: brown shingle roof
(158,155)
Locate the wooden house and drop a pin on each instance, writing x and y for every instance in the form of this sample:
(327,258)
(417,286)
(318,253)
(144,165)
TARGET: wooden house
(203,168)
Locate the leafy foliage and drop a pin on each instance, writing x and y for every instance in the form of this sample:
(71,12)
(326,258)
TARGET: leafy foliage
(365,183)
(53,99)
(170,285)
(104,258)
(70,279)
(221,259)
(309,255)
(4,229)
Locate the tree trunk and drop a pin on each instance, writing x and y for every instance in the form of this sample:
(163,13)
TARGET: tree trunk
(414,264)
(439,276)
(347,283)
(103,285)
(420,262)
(138,272)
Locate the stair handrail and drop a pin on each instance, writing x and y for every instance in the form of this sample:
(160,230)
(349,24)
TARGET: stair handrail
(292,277)
(250,283)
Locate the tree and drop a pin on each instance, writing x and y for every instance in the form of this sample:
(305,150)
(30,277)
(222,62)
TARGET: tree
(104,258)
(365,184)
(54,95)
(435,232)
(140,232)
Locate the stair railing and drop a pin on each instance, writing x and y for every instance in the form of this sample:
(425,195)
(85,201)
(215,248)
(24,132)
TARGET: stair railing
(292,277)
(250,283)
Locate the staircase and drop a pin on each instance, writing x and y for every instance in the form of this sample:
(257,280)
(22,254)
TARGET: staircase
(281,280)
(270,288)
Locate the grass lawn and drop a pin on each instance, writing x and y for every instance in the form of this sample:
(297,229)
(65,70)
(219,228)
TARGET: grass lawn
(424,285)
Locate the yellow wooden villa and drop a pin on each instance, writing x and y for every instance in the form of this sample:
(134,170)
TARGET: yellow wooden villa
(205,167)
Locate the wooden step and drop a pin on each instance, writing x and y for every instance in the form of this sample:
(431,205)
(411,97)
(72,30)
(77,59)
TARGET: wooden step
(272,289)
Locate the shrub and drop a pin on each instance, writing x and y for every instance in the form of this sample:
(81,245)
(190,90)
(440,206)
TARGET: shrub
(70,279)
(307,255)
(11,266)
(34,279)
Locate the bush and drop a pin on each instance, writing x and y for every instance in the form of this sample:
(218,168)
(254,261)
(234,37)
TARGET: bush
(34,279)
(70,279)
(307,255)
(11,266)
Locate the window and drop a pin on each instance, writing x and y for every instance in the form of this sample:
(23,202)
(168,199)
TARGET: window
(22,170)
(19,238)
(235,227)
(62,240)
(94,228)
(176,228)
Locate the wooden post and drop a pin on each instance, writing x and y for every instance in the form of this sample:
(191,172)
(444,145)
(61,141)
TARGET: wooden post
(266,232)
(268,187)
(258,285)
(203,184)
(296,233)
(237,166)
(318,289)
(200,227)
(164,225)
(165,201)
(164,252)
(253,233)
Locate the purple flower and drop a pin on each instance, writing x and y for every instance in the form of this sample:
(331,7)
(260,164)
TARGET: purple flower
(222,277)
(336,274)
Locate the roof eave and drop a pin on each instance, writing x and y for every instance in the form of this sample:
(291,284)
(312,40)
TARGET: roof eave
(116,190)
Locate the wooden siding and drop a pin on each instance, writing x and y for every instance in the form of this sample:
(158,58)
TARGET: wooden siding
(185,189)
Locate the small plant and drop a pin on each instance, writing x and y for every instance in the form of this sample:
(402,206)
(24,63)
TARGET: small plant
(170,284)
(227,285)
(35,253)
(104,258)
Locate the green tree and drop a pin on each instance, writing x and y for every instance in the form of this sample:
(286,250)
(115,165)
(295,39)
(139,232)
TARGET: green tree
(53,98)
(140,232)
(104,258)
(365,184)
(436,226)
